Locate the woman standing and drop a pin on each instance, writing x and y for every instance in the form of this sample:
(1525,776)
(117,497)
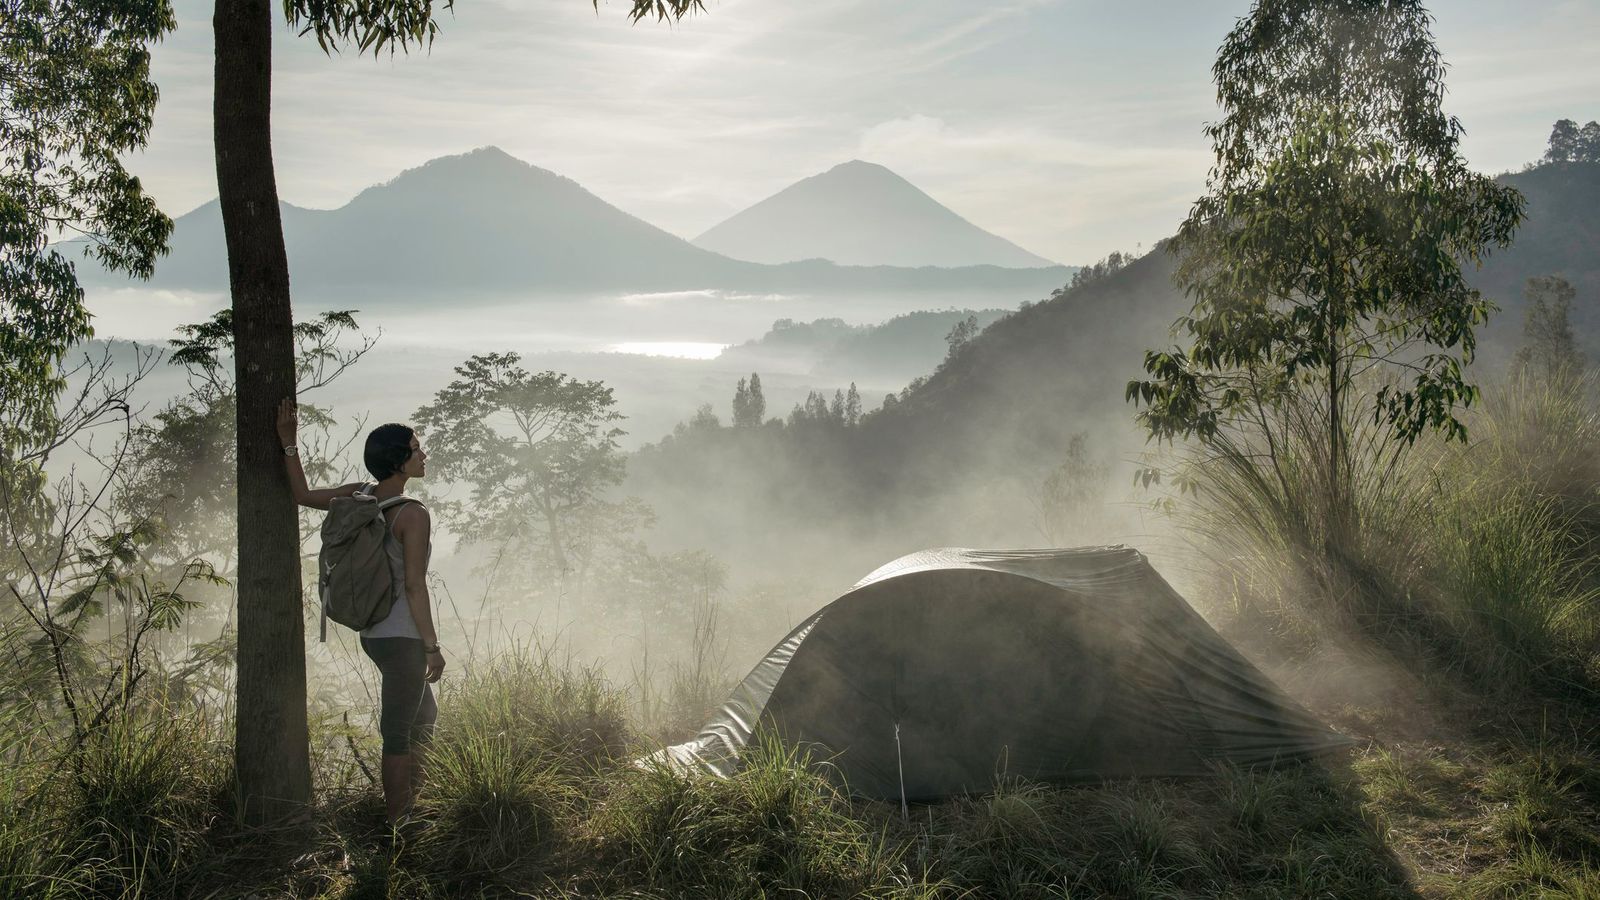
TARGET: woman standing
(404,645)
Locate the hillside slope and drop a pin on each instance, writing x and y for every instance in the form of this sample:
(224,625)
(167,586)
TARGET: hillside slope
(959,460)
(890,353)
(1560,235)
(1068,358)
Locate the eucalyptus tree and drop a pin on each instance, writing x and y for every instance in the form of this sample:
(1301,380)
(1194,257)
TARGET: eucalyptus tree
(1325,258)
(1569,143)
(1588,145)
(272,752)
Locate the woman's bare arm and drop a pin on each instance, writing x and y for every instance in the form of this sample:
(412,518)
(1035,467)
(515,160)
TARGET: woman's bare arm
(413,526)
(288,433)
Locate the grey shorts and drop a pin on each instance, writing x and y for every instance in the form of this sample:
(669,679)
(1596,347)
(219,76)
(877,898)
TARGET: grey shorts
(407,709)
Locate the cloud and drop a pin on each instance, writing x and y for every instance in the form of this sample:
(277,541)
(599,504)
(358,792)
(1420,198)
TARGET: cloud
(148,314)
(1071,128)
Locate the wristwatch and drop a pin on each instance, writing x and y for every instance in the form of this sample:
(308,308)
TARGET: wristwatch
(291,450)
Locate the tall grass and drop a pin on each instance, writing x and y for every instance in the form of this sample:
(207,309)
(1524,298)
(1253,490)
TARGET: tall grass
(533,790)
(1476,559)
(1282,833)
(777,827)
(695,683)
(145,789)
(516,743)
(35,847)
(1265,504)
(1512,580)
(126,813)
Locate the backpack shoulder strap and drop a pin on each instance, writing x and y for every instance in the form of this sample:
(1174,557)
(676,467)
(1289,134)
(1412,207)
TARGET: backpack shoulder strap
(395,501)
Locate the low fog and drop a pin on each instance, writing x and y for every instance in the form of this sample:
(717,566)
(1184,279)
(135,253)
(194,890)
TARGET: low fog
(660,484)
(722,530)
(718,531)
(787,531)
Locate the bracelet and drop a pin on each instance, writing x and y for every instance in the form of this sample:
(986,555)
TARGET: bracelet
(430,650)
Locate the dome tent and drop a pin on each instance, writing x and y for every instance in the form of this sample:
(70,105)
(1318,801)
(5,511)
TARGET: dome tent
(946,667)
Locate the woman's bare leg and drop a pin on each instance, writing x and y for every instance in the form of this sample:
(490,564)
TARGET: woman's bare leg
(397,776)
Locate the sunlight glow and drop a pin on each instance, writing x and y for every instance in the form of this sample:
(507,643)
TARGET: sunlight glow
(681,349)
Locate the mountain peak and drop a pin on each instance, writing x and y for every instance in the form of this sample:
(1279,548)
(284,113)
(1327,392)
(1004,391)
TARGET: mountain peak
(488,162)
(862,165)
(862,214)
(488,156)
(486,176)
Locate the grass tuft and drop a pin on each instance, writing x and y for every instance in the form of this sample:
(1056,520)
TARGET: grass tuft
(142,793)
(1420,784)
(777,826)
(1538,800)
(515,743)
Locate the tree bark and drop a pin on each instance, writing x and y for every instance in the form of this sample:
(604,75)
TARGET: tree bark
(272,751)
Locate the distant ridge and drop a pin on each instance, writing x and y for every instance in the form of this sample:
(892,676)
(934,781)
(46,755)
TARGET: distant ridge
(861,214)
(994,419)
(485,222)
(1066,360)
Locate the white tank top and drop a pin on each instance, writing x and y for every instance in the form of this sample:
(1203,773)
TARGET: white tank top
(399,622)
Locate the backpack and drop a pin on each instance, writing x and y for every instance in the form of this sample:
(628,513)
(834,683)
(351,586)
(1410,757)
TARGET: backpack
(354,577)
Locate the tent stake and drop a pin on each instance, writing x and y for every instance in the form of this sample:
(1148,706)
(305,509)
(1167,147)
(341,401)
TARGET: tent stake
(905,811)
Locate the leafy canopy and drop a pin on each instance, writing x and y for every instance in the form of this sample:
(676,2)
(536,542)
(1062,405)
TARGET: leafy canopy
(1330,240)
(184,456)
(400,24)
(539,450)
(75,94)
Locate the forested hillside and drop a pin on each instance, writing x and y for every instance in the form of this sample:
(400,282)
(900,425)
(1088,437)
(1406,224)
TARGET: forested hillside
(1559,236)
(952,458)
(1001,411)
(893,352)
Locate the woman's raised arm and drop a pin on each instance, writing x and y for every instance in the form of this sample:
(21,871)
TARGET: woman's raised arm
(289,435)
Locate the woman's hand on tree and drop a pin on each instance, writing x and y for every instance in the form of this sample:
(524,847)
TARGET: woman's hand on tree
(288,422)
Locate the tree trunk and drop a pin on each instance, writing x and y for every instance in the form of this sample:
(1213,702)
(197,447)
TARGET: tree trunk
(272,752)
(1335,446)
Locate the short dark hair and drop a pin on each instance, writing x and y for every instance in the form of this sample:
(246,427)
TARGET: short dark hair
(388,448)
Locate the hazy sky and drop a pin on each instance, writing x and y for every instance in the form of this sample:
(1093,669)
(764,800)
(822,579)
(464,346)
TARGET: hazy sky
(1069,126)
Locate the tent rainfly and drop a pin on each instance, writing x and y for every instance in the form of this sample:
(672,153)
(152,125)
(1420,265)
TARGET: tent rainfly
(947,667)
